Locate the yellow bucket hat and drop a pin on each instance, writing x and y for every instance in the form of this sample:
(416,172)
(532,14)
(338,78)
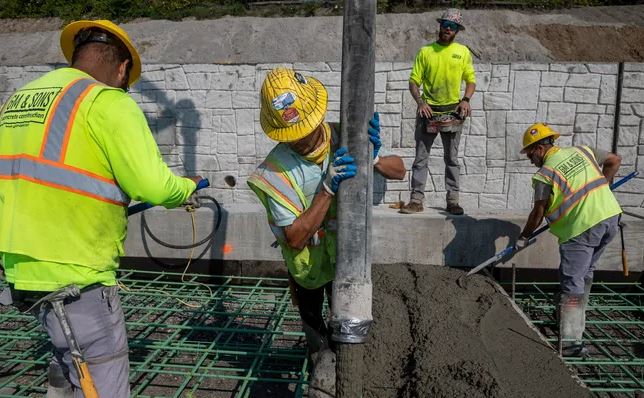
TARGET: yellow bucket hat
(292,106)
(70,31)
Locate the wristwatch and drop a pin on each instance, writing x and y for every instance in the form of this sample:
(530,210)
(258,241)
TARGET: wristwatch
(466,99)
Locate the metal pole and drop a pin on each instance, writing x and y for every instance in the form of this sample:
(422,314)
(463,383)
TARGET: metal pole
(618,106)
(352,290)
(514,280)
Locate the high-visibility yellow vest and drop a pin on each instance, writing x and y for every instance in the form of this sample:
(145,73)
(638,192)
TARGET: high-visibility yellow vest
(314,265)
(59,201)
(581,197)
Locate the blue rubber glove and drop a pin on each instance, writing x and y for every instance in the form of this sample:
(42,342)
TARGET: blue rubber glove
(341,168)
(374,135)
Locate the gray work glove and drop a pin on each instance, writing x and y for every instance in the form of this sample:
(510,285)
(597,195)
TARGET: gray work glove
(523,242)
(192,202)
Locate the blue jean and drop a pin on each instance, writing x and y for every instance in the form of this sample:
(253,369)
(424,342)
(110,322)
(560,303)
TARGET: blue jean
(579,255)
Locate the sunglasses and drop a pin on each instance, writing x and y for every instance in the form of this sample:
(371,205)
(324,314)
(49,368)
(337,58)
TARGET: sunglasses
(453,26)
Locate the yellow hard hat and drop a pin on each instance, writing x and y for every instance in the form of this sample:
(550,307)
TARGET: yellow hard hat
(69,33)
(292,106)
(536,133)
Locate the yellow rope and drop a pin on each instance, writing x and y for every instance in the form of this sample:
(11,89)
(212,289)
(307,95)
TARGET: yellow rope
(189,304)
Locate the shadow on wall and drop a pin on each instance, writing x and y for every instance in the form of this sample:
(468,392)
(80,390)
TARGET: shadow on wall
(177,125)
(170,115)
(475,240)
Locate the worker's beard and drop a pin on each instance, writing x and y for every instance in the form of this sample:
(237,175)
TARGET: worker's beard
(536,160)
(445,38)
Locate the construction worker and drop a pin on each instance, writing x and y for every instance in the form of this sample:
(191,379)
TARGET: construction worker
(74,149)
(440,67)
(297,183)
(571,190)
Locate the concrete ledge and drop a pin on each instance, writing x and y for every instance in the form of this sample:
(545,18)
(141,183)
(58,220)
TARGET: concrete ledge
(432,237)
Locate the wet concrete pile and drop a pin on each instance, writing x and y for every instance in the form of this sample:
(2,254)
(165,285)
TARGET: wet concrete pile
(431,338)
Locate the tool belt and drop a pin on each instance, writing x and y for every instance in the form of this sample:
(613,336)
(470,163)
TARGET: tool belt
(444,119)
(23,300)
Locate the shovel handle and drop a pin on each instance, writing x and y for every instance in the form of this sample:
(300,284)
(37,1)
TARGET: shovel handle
(86,381)
(624,262)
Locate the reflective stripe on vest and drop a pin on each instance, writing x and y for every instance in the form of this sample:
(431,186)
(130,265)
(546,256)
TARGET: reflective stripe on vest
(570,201)
(61,121)
(556,178)
(49,168)
(590,157)
(61,176)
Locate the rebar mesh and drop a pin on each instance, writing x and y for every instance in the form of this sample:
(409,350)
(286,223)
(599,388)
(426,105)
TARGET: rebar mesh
(614,334)
(245,341)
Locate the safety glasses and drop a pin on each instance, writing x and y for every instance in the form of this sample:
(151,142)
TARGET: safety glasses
(449,25)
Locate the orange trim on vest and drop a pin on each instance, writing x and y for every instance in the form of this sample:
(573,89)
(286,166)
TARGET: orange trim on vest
(61,165)
(52,113)
(554,171)
(280,194)
(72,117)
(572,206)
(62,188)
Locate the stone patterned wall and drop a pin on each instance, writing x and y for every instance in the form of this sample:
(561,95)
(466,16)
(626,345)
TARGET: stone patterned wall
(205,119)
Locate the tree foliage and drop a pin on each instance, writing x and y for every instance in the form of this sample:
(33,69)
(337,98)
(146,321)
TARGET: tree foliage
(124,10)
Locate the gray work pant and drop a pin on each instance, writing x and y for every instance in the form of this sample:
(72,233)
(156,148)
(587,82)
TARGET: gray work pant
(424,142)
(98,324)
(579,255)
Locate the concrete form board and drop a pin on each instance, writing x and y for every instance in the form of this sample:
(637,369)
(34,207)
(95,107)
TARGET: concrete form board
(430,237)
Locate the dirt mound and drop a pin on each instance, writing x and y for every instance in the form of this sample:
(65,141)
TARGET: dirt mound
(431,338)
(585,34)
(595,43)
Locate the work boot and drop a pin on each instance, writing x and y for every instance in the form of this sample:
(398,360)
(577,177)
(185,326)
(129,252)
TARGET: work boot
(58,385)
(571,325)
(322,381)
(455,209)
(322,376)
(575,351)
(588,284)
(412,207)
(451,198)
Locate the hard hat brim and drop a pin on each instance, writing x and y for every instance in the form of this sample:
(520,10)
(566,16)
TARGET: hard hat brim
(70,31)
(305,126)
(554,136)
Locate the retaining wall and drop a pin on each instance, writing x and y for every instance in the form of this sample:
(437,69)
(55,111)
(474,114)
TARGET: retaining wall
(205,118)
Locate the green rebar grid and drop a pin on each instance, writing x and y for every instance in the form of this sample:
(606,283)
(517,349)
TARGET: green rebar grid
(243,340)
(614,334)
